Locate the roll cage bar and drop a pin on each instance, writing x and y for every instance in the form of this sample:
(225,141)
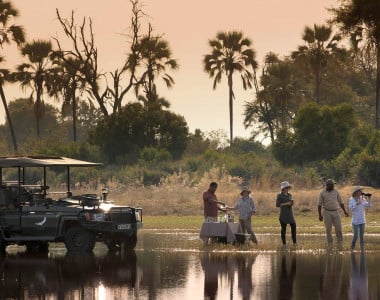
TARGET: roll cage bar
(22,162)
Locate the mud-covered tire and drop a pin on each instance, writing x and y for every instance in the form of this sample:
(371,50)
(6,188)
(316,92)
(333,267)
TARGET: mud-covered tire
(37,247)
(78,239)
(130,242)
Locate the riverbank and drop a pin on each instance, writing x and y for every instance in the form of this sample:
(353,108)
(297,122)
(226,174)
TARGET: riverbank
(310,232)
(268,224)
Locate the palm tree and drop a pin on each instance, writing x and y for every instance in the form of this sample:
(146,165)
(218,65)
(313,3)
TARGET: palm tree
(231,53)
(320,45)
(8,33)
(155,59)
(362,19)
(66,80)
(153,101)
(36,73)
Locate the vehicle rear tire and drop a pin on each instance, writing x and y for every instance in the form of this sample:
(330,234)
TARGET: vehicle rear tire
(78,239)
(130,242)
(37,247)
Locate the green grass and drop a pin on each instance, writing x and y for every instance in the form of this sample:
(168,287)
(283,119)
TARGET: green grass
(310,233)
(306,223)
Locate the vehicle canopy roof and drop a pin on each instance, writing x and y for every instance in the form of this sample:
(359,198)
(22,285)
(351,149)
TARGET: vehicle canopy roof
(42,161)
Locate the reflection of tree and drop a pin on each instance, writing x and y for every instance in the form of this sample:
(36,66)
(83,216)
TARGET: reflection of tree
(330,284)
(359,278)
(287,279)
(244,270)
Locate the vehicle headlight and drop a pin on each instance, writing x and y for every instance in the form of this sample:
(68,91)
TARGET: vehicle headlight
(95,217)
(138,216)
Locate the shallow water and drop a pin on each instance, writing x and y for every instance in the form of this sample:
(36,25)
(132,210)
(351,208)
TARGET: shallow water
(176,265)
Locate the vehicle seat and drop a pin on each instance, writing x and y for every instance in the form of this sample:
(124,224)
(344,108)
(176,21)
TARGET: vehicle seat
(5,196)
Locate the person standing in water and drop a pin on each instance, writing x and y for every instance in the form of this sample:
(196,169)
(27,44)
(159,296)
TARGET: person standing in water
(358,204)
(285,202)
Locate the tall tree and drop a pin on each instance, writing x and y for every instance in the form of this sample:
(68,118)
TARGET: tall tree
(8,33)
(320,45)
(22,114)
(319,133)
(155,59)
(67,81)
(152,101)
(231,53)
(36,73)
(147,59)
(126,133)
(362,19)
(85,52)
(277,102)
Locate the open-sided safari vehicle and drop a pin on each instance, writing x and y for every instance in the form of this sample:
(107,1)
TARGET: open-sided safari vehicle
(34,216)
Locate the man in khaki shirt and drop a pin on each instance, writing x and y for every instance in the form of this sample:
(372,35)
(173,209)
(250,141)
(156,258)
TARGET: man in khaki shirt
(330,200)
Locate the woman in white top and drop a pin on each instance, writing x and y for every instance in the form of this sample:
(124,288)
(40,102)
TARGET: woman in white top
(357,204)
(246,208)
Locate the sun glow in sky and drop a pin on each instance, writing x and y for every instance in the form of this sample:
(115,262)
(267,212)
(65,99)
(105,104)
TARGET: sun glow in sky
(273,26)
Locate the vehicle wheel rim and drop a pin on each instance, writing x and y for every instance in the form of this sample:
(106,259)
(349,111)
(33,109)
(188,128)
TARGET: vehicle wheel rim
(79,240)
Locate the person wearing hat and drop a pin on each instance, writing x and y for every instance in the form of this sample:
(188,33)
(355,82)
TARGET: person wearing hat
(285,202)
(330,200)
(358,204)
(246,208)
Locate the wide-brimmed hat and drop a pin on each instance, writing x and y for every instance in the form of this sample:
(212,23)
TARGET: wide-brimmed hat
(330,181)
(245,189)
(285,184)
(356,189)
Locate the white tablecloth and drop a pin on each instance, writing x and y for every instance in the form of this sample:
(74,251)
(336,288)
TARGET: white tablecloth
(225,229)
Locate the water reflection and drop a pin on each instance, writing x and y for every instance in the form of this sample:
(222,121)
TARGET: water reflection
(359,278)
(72,276)
(244,273)
(331,284)
(287,278)
(224,268)
(214,266)
(168,266)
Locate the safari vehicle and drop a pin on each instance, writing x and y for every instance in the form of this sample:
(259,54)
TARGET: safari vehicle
(34,216)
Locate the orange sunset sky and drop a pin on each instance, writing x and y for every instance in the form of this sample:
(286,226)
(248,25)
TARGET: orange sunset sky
(272,25)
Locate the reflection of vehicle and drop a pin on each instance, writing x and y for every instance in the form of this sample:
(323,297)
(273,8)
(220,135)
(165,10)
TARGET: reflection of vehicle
(26,276)
(30,216)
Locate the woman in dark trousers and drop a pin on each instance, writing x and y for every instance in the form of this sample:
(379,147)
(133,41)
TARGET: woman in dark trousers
(285,202)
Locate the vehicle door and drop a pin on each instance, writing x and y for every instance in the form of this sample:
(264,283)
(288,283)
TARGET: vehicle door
(39,220)
(9,211)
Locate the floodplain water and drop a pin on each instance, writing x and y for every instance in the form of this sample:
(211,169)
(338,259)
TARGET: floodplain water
(176,265)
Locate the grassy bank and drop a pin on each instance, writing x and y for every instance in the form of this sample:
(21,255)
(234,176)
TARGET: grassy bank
(265,224)
(310,233)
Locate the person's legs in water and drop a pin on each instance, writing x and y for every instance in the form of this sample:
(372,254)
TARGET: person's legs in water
(293,228)
(283,232)
(355,237)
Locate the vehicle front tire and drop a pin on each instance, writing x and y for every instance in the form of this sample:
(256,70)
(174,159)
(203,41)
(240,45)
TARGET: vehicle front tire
(78,239)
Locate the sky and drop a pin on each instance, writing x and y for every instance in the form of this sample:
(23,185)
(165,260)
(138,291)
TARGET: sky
(272,25)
